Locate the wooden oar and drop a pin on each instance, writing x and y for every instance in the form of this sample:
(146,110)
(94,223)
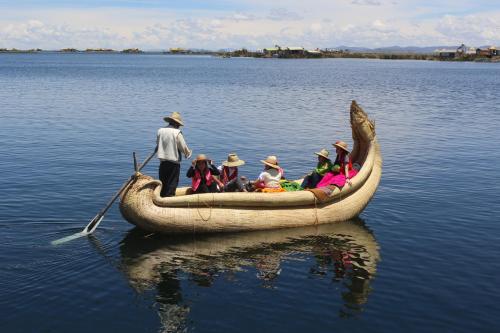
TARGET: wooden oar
(98,218)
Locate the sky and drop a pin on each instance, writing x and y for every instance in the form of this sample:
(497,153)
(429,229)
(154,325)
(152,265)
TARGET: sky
(253,24)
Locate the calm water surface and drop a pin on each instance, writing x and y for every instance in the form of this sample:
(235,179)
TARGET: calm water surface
(423,256)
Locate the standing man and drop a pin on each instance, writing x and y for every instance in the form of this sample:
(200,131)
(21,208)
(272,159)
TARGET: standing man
(170,145)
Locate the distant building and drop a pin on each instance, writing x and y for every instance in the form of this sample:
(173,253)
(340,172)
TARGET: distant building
(313,53)
(462,50)
(272,51)
(294,51)
(489,52)
(470,51)
(177,50)
(285,52)
(446,53)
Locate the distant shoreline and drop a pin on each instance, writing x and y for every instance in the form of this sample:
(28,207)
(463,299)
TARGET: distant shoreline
(249,54)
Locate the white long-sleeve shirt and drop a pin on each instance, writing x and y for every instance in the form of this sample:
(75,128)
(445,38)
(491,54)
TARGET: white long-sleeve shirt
(170,143)
(271,177)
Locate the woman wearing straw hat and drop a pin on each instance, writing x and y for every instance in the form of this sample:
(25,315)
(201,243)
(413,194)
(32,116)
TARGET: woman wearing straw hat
(229,179)
(169,146)
(342,170)
(269,179)
(202,173)
(324,165)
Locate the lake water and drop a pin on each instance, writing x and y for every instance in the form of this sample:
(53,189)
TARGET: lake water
(423,256)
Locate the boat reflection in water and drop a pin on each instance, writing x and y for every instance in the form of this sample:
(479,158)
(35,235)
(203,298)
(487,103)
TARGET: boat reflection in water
(344,252)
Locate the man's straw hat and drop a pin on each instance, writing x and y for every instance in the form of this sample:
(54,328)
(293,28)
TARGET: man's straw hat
(342,145)
(233,161)
(272,161)
(324,153)
(175,116)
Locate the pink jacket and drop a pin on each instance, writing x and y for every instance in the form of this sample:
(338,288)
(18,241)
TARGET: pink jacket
(196,180)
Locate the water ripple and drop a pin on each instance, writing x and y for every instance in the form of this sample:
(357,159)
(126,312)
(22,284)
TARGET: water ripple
(68,126)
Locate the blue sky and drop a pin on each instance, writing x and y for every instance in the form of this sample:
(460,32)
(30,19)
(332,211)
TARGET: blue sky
(253,24)
(175,5)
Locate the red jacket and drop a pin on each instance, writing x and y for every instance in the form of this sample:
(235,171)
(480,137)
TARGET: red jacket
(225,177)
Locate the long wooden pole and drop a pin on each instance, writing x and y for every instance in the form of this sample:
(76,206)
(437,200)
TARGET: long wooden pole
(98,218)
(135,162)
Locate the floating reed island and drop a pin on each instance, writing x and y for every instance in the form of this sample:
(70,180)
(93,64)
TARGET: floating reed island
(142,205)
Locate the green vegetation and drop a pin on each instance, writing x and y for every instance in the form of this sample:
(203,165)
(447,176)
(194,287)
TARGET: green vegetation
(20,51)
(132,51)
(100,50)
(329,54)
(301,53)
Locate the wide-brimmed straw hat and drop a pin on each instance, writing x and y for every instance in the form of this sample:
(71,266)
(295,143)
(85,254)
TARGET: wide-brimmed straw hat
(342,145)
(233,161)
(272,161)
(176,117)
(324,153)
(201,157)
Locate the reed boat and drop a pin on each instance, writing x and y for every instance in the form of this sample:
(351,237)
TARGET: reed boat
(142,205)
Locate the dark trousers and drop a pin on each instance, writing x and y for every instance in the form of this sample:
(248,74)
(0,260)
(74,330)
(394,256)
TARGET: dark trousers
(169,176)
(312,180)
(238,184)
(204,188)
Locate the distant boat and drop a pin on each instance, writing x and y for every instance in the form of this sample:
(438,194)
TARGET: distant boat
(142,205)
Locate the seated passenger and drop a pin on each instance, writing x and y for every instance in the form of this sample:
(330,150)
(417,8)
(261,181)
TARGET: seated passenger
(202,174)
(229,179)
(342,170)
(269,179)
(324,165)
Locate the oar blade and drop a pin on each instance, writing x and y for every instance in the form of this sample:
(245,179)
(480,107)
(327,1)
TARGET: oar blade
(68,238)
(93,224)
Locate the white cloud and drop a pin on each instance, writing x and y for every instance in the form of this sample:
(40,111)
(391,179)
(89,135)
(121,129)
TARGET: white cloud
(320,23)
(283,14)
(34,33)
(366,2)
(483,29)
(243,17)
